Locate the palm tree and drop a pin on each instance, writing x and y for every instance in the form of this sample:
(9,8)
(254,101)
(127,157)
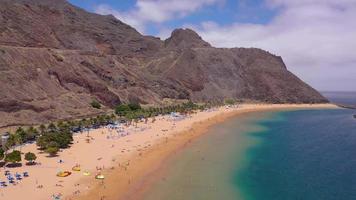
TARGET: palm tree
(18,140)
(84,123)
(52,128)
(31,133)
(136,122)
(9,143)
(42,129)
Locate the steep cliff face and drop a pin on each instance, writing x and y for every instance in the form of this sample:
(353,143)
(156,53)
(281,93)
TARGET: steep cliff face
(55,58)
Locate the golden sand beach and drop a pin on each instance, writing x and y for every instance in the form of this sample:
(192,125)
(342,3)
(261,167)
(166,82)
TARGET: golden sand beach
(128,163)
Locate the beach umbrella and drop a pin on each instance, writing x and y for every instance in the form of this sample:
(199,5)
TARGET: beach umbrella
(86,173)
(56,197)
(18,177)
(64,174)
(76,168)
(100,177)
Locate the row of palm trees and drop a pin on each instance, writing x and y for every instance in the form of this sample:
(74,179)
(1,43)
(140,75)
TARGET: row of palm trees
(131,111)
(53,137)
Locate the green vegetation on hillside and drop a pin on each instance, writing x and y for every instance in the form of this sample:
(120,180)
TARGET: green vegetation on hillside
(95,104)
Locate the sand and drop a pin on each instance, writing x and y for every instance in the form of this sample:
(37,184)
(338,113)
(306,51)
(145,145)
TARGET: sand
(129,163)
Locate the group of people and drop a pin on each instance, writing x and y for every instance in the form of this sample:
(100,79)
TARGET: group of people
(13,178)
(56,196)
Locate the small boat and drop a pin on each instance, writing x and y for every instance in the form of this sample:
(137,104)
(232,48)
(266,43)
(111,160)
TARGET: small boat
(355,116)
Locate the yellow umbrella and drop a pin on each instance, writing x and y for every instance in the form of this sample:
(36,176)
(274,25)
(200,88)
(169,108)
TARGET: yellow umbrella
(86,173)
(100,176)
(64,174)
(76,168)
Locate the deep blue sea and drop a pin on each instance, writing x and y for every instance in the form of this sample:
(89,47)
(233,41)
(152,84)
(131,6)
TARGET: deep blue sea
(306,155)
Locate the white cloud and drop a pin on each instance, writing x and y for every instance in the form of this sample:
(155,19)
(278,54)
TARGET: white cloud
(128,18)
(155,11)
(317,39)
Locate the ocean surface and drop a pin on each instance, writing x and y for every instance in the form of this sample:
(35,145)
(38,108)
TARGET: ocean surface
(290,155)
(344,98)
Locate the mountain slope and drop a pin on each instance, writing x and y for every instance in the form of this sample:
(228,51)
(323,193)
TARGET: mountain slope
(55,58)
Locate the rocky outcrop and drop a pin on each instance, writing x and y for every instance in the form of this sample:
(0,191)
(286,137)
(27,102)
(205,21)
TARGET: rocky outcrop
(56,58)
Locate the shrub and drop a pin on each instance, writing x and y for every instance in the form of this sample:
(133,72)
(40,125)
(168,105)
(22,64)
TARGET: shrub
(13,157)
(230,101)
(59,138)
(95,104)
(122,109)
(134,106)
(30,157)
(52,151)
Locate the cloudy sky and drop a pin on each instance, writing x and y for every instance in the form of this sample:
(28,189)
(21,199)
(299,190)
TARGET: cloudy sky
(316,38)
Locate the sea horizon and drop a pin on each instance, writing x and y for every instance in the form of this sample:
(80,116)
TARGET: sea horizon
(347,98)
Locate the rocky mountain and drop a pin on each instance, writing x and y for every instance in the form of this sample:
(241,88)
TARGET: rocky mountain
(55,58)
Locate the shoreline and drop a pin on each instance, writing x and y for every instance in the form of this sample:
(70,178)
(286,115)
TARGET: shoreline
(142,176)
(129,163)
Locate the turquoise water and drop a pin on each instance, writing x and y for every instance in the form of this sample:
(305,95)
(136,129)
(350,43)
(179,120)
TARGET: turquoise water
(306,155)
(309,154)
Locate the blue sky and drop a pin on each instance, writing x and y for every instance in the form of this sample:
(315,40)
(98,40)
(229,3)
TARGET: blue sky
(316,38)
(223,13)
